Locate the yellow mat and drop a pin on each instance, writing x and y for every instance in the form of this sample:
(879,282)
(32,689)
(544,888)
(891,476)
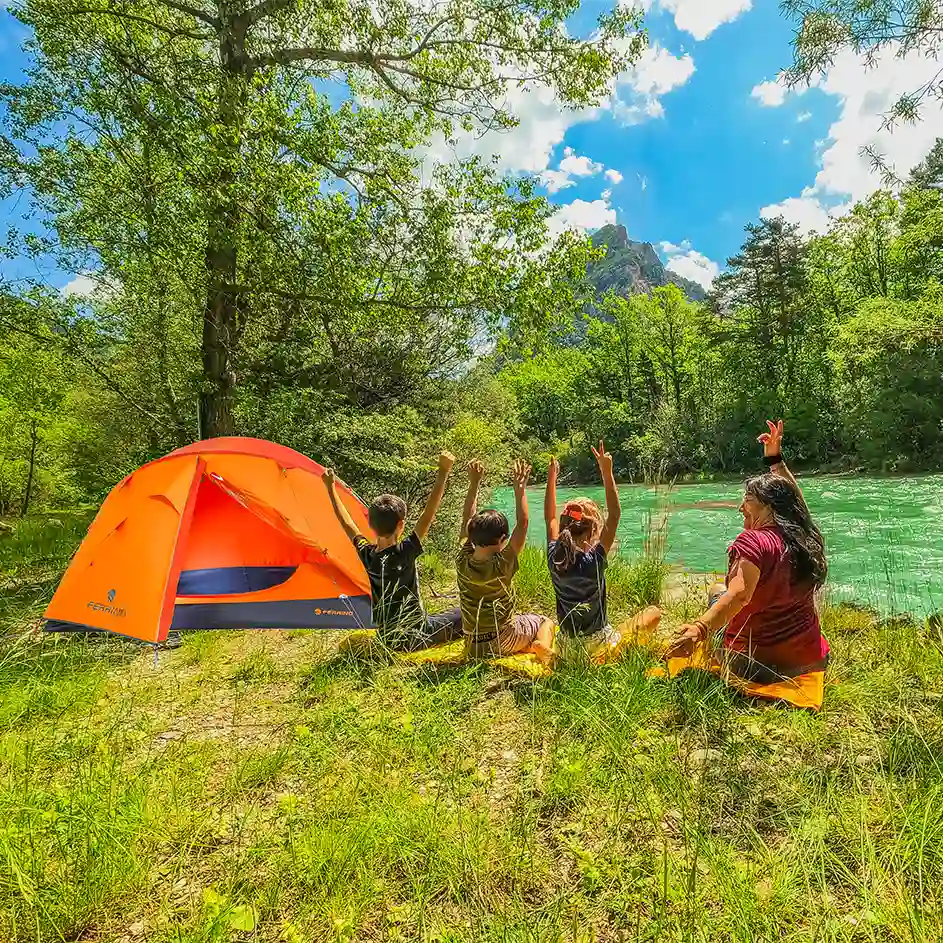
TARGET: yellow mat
(452,654)
(806,691)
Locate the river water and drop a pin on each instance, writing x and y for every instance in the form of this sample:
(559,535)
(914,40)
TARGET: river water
(883,536)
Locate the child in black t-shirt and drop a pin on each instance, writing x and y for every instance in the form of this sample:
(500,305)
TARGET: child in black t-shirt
(398,613)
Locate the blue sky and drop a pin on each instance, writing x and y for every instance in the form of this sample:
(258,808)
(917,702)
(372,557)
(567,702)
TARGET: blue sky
(695,142)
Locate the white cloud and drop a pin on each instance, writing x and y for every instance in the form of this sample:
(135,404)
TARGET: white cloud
(787,141)
(573,163)
(613,175)
(639,90)
(542,126)
(770,94)
(698,17)
(685,261)
(556,180)
(865,95)
(583,215)
(658,71)
(806,211)
(86,286)
(804,116)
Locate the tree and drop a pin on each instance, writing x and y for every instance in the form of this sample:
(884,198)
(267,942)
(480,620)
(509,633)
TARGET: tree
(868,27)
(548,391)
(32,384)
(761,297)
(928,174)
(200,149)
(889,359)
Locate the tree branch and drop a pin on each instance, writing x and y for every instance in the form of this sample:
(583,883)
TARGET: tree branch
(85,359)
(134,18)
(192,11)
(261,10)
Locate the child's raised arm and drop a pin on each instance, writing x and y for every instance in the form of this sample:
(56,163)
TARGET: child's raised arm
(446,461)
(476,472)
(550,501)
(346,521)
(519,478)
(613,506)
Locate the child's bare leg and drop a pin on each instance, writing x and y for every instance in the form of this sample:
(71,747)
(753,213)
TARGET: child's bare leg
(543,642)
(640,629)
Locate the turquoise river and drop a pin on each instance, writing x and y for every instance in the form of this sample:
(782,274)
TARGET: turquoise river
(883,536)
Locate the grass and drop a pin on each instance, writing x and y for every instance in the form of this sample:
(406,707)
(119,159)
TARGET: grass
(257,786)
(631,584)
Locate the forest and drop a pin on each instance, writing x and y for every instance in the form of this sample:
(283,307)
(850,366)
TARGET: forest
(265,258)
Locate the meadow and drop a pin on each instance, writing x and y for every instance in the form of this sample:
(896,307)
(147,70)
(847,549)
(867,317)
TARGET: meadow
(261,786)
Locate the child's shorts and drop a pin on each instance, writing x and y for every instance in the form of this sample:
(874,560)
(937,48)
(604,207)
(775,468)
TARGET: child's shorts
(521,638)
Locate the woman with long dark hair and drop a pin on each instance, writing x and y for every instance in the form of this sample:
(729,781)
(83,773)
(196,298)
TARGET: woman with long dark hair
(774,568)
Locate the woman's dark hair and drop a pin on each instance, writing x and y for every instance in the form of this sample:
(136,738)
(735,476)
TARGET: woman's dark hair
(573,529)
(803,539)
(486,528)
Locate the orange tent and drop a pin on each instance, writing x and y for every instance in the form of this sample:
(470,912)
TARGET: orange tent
(227,533)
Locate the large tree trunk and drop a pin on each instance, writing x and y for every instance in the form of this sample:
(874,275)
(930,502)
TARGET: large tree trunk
(221,311)
(219,320)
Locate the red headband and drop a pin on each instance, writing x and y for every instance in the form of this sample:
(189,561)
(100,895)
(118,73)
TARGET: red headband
(574,512)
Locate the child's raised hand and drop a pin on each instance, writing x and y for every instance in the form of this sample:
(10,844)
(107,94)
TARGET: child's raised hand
(520,474)
(553,469)
(773,440)
(476,470)
(446,461)
(329,478)
(603,459)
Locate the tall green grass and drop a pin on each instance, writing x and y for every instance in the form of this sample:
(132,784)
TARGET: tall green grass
(256,787)
(631,584)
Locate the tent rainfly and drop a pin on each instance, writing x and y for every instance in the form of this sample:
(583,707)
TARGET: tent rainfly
(228,533)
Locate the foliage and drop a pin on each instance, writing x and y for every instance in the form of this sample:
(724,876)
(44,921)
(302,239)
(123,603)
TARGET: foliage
(868,28)
(247,182)
(838,333)
(890,358)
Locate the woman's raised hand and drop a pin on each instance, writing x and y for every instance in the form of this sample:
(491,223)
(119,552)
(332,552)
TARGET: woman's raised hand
(553,469)
(772,440)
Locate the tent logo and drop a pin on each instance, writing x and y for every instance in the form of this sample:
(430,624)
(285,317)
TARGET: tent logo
(333,612)
(109,609)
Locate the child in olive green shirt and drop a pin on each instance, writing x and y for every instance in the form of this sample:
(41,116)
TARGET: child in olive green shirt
(485,568)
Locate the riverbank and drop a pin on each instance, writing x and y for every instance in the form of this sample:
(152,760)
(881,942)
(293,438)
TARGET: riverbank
(256,785)
(884,538)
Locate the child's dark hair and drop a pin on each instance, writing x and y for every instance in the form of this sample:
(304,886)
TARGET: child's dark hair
(580,520)
(386,513)
(486,528)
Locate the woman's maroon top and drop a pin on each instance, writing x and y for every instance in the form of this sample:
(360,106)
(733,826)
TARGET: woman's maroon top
(780,626)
